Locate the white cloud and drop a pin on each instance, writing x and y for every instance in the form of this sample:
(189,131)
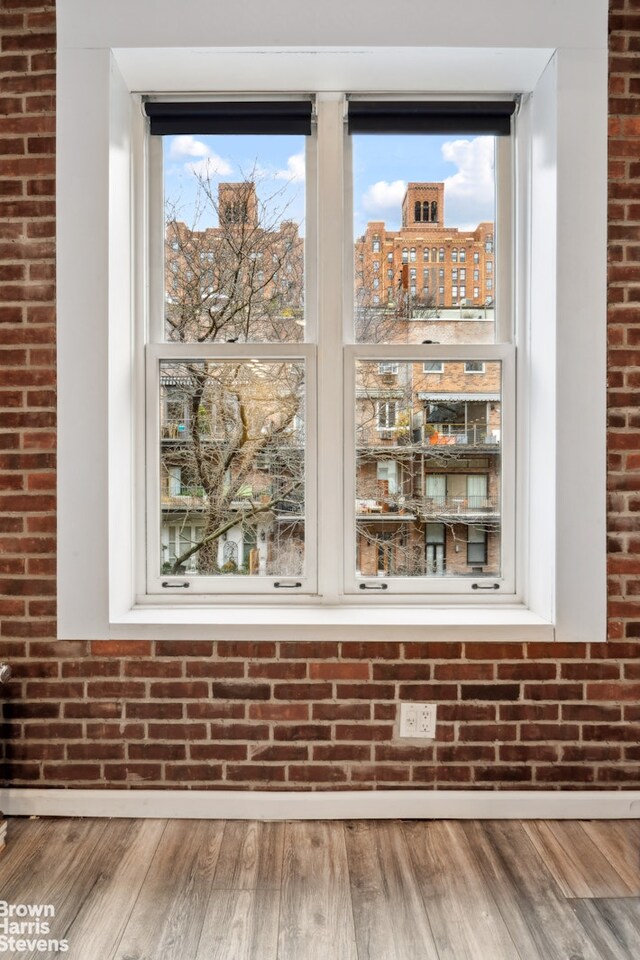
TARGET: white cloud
(470,192)
(210,166)
(383,196)
(186,145)
(209,163)
(295,169)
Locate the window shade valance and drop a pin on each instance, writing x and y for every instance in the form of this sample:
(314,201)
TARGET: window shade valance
(436,116)
(248,117)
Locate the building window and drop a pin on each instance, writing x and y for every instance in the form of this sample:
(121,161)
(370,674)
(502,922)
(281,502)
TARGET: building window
(405,255)
(441,254)
(425,254)
(476,256)
(489,284)
(390,256)
(386,414)
(454,292)
(376,266)
(433,366)
(435,549)
(489,266)
(454,273)
(388,367)
(476,274)
(463,273)
(463,255)
(476,546)
(476,293)
(412,255)
(454,255)
(375,246)
(474,366)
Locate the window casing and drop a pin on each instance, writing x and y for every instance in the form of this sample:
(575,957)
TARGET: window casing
(101,61)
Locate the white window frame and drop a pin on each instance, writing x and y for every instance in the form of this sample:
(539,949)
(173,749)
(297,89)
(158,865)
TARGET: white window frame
(157,584)
(556,55)
(413,590)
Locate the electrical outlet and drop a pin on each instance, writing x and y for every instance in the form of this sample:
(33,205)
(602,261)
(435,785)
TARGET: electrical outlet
(418,720)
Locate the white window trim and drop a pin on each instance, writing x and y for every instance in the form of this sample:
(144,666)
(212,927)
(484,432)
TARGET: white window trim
(557,51)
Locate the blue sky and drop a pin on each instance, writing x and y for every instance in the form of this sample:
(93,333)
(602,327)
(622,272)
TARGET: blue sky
(382,166)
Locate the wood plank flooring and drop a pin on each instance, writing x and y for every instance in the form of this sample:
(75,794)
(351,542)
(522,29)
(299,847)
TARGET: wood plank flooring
(318,890)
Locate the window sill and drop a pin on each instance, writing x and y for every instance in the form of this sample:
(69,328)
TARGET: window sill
(503,623)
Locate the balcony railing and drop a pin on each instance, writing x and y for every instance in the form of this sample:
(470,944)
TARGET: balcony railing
(476,436)
(460,506)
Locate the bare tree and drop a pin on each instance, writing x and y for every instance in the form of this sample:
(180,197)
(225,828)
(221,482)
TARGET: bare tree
(232,457)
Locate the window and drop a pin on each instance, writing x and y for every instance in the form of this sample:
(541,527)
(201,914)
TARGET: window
(489,266)
(454,255)
(463,255)
(441,254)
(476,545)
(454,274)
(390,256)
(463,274)
(375,246)
(376,266)
(474,366)
(405,255)
(476,256)
(412,255)
(433,366)
(99,304)
(388,367)
(386,414)
(454,292)
(425,254)
(476,293)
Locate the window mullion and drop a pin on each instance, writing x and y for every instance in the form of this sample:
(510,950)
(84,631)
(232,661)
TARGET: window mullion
(331,217)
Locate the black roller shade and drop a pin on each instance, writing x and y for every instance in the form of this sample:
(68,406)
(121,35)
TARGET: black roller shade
(283,116)
(419,116)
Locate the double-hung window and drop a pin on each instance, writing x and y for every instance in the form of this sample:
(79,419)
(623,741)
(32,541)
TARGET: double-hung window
(275,417)
(229,348)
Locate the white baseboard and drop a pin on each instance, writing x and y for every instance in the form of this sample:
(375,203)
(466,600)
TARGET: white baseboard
(325,805)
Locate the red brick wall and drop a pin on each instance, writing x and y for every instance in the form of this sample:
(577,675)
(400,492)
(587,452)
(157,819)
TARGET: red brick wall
(289,715)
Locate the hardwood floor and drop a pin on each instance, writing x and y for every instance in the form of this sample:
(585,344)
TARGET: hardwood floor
(327,890)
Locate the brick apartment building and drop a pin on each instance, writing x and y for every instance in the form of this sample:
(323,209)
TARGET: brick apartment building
(427,434)
(425,261)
